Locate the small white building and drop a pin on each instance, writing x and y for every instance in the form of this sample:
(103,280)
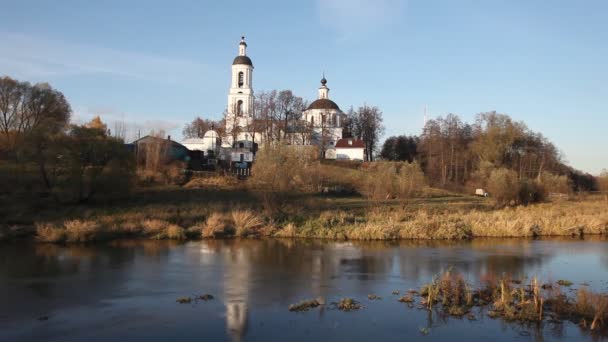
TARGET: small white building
(210,142)
(350,149)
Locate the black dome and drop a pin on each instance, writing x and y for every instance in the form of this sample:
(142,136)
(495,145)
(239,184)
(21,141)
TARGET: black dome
(242,60)
(323,104)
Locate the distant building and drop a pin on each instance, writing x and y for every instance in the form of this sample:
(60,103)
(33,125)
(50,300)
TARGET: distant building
(321,123)
(350,149)
(151,145)
(209,144)
(324,117)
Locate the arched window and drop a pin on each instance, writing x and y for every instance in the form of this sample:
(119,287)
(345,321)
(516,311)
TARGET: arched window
(239,108)
(334,120)
(241,79)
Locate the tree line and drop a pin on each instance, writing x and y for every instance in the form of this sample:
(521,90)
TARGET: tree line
(455,154)
(43,155)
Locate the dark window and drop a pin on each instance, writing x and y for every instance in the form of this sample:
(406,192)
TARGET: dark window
(241,79)
(239,108)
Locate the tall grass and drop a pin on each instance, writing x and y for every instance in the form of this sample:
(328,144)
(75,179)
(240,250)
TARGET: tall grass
(513,300)
(246,222)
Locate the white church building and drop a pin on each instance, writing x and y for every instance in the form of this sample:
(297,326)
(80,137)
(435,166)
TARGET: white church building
(323,117)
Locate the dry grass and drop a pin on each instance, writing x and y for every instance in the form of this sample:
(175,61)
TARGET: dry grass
(175,232)
(155,229)
(69,231)
(246,222)
(82,231)
(215,226)
(46,232)
(214,182)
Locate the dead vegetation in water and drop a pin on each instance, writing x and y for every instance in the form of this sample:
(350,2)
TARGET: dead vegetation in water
(514,300)
(205,297)
(184,300)
(348,304)
(305,305)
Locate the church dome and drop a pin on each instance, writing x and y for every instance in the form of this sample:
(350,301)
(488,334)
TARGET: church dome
(242,60)
(323,104)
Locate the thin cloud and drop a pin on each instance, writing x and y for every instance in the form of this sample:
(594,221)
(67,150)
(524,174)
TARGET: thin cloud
(351,18)
(30,57)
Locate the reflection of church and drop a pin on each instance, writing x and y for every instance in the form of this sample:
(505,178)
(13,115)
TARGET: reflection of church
(321,123)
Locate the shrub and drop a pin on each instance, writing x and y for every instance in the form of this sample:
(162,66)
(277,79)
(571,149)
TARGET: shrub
(382,180)
(245,222)
(175,232)
(555,183)
(81,231)
(286,168)
(602,180)
(155,229)
(531,192)
(46,232)
(378,180)
(215,226)
(503,186)
(410,179)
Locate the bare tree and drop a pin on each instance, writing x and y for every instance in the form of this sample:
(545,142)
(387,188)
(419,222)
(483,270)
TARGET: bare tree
(366,124)
(198,127)
(25,108)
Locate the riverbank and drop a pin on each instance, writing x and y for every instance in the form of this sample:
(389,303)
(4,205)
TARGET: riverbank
(177,213)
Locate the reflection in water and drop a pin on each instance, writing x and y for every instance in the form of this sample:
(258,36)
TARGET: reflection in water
(237,268)
(255,280)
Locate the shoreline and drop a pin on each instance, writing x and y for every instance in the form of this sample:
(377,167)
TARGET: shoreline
(381,223)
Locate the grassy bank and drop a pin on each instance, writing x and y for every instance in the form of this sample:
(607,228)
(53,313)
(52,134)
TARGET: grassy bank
(180,213)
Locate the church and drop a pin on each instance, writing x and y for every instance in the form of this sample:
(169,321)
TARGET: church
(322,119)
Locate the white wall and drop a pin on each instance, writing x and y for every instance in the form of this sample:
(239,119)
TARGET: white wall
(349,153)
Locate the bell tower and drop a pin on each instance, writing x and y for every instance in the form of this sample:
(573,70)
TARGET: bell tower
(240,95)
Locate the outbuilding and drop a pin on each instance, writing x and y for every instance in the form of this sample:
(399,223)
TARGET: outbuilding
(350,149)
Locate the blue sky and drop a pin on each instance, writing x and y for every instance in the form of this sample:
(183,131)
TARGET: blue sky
(159,64)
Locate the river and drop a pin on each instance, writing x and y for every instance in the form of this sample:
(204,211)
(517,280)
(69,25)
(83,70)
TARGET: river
(128,289)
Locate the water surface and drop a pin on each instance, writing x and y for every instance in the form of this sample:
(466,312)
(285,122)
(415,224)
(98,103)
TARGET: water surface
(128,289)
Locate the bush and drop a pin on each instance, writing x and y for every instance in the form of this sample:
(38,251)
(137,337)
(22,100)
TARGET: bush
(155,229)
(531,192)
(382,180)
(286,168)
(410,179)
(602,180)
(81,231)
(215,226)
(46,232)
(245,222)
(175,232)
(503,186)
(555,183)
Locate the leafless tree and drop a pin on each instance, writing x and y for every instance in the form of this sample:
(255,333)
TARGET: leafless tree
(198,127)
(25,108)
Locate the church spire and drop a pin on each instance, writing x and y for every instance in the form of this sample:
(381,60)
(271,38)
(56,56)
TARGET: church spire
(242,47)
(323,90)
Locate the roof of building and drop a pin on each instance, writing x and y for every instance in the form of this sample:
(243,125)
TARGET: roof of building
(193,141)
(350,143)
(242,60)
(323,104)
(149,138)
